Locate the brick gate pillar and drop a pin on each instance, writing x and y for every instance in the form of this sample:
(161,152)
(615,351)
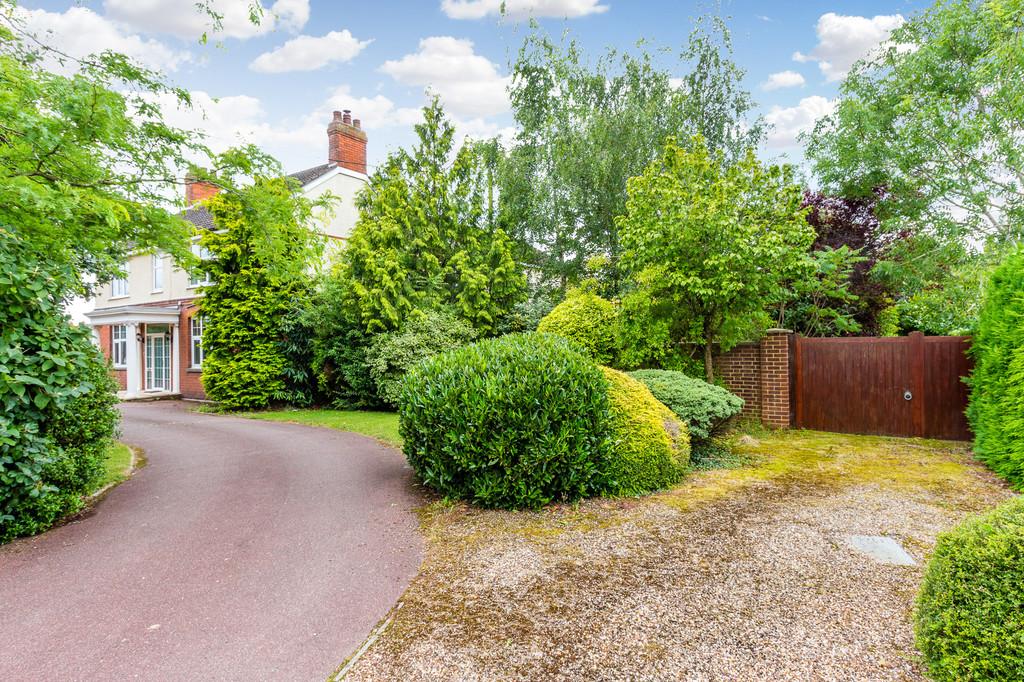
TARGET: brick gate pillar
(775,378)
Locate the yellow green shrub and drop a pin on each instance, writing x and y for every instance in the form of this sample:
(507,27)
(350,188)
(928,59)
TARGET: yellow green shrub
(651,446)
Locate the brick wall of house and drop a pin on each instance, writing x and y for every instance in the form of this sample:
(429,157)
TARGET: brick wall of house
(759,373)
(103,331)
(191,382)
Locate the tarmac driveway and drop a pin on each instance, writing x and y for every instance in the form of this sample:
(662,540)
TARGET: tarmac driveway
(244,550)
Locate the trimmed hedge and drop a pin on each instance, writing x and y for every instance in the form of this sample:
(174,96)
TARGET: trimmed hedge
(996,408)
(513,422)
(650,446)
(586,319)
(704,407)
(970,610)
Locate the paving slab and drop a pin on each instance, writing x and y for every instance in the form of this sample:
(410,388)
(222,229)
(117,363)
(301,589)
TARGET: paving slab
(882,549)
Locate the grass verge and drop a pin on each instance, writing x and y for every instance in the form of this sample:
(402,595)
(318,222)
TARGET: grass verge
(380,425)
(117,465)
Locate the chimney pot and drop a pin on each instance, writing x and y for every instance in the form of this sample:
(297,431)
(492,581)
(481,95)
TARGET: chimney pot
(355,122)
(346,117)
(337,115)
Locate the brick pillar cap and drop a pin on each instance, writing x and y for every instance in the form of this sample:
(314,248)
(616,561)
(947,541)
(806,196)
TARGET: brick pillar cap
(778,330)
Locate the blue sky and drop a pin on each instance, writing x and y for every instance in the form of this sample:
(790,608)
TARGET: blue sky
(276,85)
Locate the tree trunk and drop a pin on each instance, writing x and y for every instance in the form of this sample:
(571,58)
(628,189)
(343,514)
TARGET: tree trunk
(709,365)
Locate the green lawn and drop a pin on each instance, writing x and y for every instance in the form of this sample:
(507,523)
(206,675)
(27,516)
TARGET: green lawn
(380,425)
(116,465)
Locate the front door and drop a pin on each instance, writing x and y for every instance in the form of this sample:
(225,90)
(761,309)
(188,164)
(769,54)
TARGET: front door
(158,358)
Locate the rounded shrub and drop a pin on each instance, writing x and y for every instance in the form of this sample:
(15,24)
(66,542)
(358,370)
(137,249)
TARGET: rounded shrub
(996,408)
(513,422)
(704,407)
(586,319)
(391,355)
(650,445)
(970,610)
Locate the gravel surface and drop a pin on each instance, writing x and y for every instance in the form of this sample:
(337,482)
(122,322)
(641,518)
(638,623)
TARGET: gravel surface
(742,574)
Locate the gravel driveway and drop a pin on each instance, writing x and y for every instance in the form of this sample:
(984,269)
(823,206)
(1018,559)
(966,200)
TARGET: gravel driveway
(739,574)
(244,550)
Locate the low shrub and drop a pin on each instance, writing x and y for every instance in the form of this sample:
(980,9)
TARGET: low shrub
(586,319)
(513,422)
(704,407)
(390,356)
(650,445)
(970,610)
(996,408)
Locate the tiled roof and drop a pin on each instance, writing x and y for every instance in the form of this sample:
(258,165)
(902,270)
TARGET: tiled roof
(200,217)
(310,174)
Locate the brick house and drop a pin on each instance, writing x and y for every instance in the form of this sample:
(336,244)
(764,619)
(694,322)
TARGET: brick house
(147,323)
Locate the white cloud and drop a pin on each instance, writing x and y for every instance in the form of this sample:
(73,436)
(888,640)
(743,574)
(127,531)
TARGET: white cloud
(308,53)
(298,142)
(183,19)
(783,79)
(468,84)
(521,9)
(788,122)
(79,32)
(842,40)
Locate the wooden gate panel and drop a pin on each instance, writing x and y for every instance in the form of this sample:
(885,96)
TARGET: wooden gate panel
(946,362)
(899,386)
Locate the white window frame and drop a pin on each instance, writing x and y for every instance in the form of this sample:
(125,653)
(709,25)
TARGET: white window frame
(195,346)
(158,272)
(203,278)
(119,345)
(119,285)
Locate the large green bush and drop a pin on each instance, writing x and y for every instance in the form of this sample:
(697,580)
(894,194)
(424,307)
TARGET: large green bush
(704,407)
(391,355)
(588,320)
(262,252)
(517,421)
(996,408)
(650,446)
(56,397)
(970,611)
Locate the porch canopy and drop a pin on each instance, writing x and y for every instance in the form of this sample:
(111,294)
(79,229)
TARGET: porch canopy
(142,368)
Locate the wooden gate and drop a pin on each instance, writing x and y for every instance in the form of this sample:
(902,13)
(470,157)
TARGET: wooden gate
(900,386)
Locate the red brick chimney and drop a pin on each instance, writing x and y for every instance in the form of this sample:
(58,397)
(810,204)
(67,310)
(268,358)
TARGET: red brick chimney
(197,190)
(346,142)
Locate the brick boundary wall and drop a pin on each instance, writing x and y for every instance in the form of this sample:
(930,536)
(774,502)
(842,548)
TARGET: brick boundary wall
(759,373)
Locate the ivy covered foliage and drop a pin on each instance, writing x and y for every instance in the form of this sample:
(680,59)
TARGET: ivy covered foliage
(588,320)
(390,356)
(996,408)
(650,445)
(514,422)
(427,236)
(56,395)
(261,253)
(970,610)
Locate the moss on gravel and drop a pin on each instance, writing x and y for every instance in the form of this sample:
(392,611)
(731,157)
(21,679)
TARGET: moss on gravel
(750,582)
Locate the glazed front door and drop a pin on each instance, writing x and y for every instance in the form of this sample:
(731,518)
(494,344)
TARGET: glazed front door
(158,358)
